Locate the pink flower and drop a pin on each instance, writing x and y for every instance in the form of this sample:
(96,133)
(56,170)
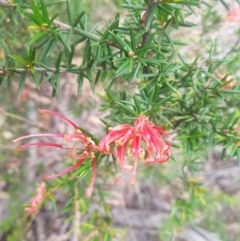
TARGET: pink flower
(144,141)
(88,150)
(234,16)
(37,200)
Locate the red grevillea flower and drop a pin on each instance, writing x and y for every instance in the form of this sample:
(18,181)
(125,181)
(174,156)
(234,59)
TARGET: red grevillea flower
(144,141)
(37,200)
(88,150)
(234,16)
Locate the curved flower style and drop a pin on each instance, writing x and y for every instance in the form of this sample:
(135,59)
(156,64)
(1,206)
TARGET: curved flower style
(88,151)
(144,140)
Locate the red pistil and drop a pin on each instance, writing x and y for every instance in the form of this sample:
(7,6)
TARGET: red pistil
(70,169)
(39,144)
(61,116)
(39,135)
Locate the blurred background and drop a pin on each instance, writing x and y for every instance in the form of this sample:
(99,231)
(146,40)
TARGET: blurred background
(150,209)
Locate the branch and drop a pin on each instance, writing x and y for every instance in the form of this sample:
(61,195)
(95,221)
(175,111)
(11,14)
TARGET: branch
(5,4)
(146,69)
(228,53)
(20,118)
(52,70)
(77,219)
(67,27)
(144,20)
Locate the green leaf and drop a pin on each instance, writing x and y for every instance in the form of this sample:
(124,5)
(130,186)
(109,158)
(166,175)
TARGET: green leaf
(31,54)
(187,24)
(32,70)
(56,80)
(98,75)
(71,54)
(47,67)
(63,40)
(18,59)
(94,28)
(80,83)
(171,87)
(238,155)
(58,61)
(133,40)
(87,35)
(52,2)
(36,12)
(115,24)
(210,75)
(134,7)
(47,49)
(88,75)
(155,61)
(232,120)
(35,79)
(143,50)
(44,12)
(150,17)
(28,15)
(1,80)
(225,4)
(6,49)
(165,10)
(21,85)
(234,150)
(9,83)
(104,75)
(85,23)
(69,10)
(37,37)
(188,3)
(137,104)
(123,69)
(231,91)
(52,19)
(127,109)
(120,42)
(78,19)
(142,61)
(136,72)
(87,52)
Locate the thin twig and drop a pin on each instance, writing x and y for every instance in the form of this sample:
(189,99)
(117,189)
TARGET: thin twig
(228,53)
(20,118)
(146,15)
(7,147)
(146,69)
(77,228)
(51,70)
(93,234)
(5,4)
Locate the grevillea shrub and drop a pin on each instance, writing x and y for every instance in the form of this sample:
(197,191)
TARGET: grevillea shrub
(166,107)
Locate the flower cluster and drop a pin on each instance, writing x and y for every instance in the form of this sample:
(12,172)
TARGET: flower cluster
(144,141)
(37,200)
(88,150)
